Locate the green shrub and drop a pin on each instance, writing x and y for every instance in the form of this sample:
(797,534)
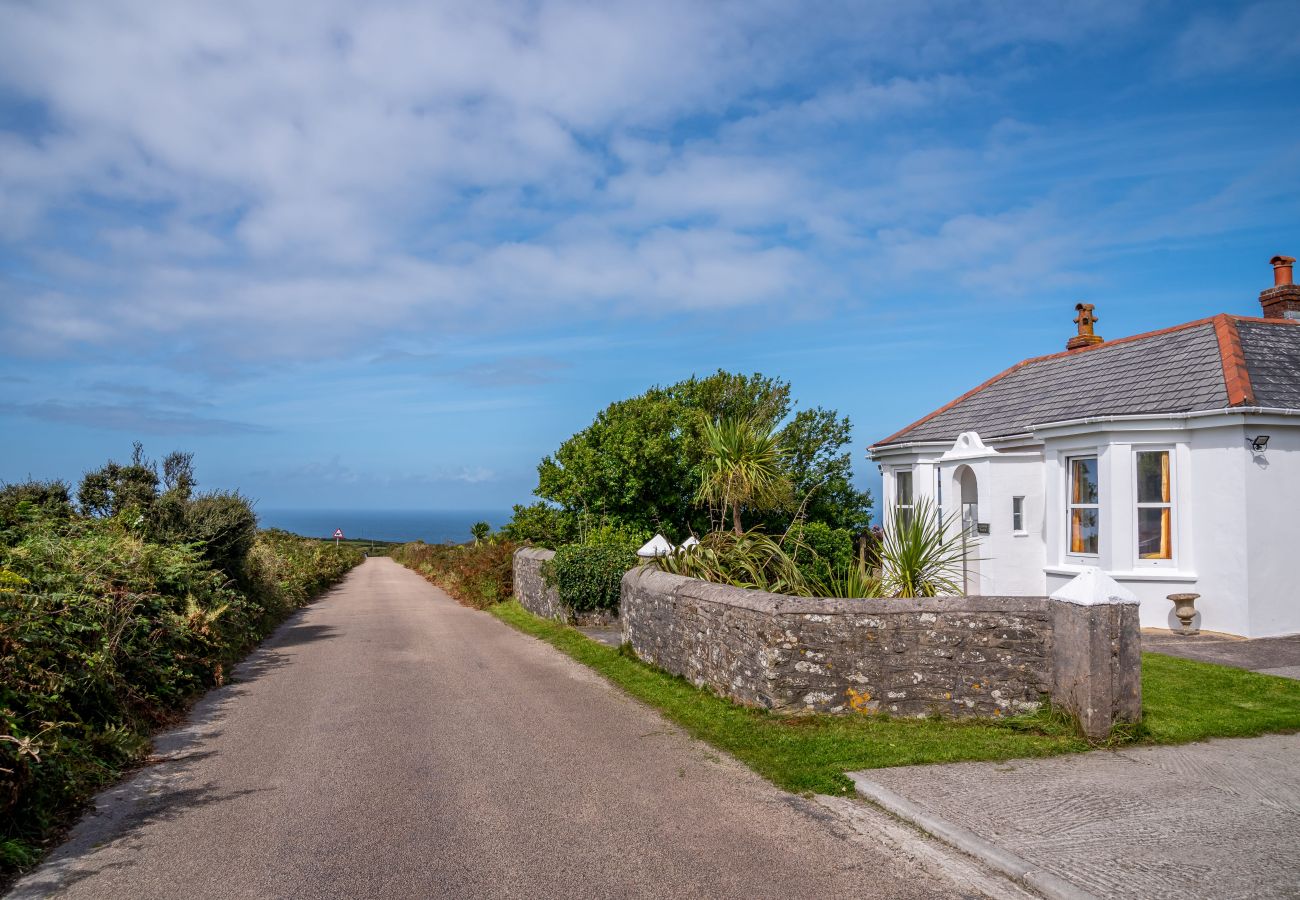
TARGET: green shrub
(541,525)
(477,575)
(106,635)
(225,525)
(820,551)
(748,560)
(589,576)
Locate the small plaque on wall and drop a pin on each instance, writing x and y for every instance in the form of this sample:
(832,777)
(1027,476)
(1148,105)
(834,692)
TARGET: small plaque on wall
(982,527)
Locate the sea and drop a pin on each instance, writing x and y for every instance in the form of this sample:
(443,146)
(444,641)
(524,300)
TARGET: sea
(433,526)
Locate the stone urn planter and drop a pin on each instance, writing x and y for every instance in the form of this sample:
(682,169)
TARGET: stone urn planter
(1185,610)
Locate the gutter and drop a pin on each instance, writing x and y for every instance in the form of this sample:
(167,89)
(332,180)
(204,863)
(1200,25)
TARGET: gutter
(1173,417)
(1100,420)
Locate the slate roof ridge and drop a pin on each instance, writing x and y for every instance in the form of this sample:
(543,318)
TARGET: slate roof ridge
(1236,377)
(1059,355)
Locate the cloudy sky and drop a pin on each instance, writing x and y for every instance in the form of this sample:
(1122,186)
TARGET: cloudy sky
(387,255)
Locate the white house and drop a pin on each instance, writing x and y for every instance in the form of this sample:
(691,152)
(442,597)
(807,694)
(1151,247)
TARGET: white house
(1170,460)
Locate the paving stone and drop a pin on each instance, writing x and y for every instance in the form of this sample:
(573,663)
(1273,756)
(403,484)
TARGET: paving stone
(1219,819)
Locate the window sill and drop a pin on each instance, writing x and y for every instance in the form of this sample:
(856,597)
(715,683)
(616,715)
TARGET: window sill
(1020,534)
(1138,575)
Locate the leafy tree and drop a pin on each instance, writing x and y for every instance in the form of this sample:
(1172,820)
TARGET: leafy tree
(638,463)
(541,524)
(743,466)
(115,488)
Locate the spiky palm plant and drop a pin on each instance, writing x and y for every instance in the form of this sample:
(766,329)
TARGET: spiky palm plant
(480,530)
(921,555)
(750,559)
(744,465)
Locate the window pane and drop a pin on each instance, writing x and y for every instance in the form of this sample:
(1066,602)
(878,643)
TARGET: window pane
(1083,531)
(1083,480)
(1017,513)
(1153,476)
(1154,537)
(904,483)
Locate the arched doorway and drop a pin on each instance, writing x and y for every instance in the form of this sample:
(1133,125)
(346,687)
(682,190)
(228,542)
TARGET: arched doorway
(968,490)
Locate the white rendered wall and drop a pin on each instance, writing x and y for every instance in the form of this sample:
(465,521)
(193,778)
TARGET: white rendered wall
(1273,528)
(1236,518)
(1010,564)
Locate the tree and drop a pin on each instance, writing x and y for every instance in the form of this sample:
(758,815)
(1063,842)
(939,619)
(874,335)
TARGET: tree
(638,463)
(744,466)
(480,530)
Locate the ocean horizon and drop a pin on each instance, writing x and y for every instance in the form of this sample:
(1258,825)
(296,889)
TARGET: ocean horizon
(435,526)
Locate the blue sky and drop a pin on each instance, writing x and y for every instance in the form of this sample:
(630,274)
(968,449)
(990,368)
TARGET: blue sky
(388,255)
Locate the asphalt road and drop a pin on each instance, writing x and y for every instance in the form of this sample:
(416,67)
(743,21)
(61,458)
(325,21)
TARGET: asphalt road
(387,742)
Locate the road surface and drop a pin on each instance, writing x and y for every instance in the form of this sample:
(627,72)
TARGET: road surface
(386,742)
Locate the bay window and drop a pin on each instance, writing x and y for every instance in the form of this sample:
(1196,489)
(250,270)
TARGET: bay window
(903,502)
(1154,505)
(1084,507)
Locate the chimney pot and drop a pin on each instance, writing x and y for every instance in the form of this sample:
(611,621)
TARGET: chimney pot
(1282,273)
(1282,300)
(1085,337)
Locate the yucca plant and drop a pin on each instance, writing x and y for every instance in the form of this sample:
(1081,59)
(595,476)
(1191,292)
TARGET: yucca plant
(852,582)
(744,465)
(750,559)
(922,554)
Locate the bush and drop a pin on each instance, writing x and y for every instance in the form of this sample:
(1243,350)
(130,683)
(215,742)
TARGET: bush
(541,525)
(226,527)
(106,635)
(589,576)
(477,575)
(819,550)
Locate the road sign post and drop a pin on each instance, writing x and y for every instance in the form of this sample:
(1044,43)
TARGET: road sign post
(338,533)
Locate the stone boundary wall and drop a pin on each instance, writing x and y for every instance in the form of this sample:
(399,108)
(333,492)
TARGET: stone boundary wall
(535,596)
(954,656)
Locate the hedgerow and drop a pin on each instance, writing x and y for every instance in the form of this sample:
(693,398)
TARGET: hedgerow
(477,575)
(107,632)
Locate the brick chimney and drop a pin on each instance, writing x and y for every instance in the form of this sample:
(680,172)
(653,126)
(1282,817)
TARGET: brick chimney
(1085,337)
(1282,300)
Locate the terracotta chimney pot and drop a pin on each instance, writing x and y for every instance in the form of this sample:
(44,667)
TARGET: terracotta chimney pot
(1085,338)
(1282,270)
(1282,300)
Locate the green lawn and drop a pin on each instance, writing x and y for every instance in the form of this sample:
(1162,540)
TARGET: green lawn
(1184,701)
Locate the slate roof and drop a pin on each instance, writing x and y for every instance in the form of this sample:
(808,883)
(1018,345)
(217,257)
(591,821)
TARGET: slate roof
(1272,362)
(1210,364)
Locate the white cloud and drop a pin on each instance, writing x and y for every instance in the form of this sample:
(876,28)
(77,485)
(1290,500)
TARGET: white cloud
(251,181)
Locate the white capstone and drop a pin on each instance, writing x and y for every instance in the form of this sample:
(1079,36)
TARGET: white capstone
(1093,587)
(656,546)
(690,542)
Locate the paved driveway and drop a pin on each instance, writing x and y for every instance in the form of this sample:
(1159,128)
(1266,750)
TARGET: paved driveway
(1217,820)
(1272,656)
(389,743)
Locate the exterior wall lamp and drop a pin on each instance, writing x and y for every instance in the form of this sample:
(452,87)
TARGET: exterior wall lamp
(1259,444)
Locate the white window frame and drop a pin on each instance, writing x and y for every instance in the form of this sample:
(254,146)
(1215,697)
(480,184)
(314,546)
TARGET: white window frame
(1018,515)
(1172,506)
(899,506)
(1071,506)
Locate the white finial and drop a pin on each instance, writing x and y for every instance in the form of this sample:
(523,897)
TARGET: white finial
(1093,587)
(656,546)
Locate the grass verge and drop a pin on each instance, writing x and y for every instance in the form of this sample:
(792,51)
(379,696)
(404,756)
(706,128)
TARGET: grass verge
(1184,701)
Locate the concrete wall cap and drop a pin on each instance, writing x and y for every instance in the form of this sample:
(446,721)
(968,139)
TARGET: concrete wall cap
(1093,587)
(540,553)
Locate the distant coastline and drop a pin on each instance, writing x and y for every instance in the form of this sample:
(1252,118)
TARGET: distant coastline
(431,526)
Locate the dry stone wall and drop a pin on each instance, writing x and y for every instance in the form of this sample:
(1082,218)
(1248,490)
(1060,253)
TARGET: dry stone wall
(960,656)
(533,593)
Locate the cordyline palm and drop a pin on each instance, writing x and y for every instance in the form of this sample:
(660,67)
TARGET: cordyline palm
(743,466)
